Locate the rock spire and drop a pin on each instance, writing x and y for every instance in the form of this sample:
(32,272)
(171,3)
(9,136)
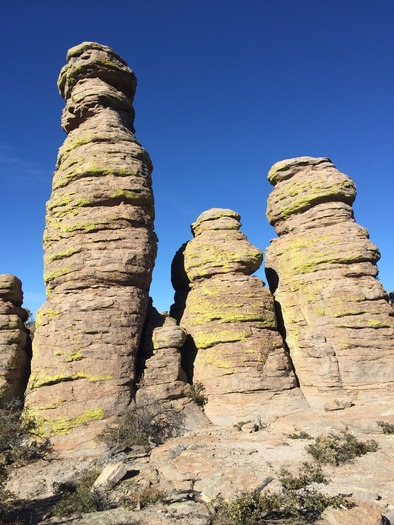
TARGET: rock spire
(15,343)
(233,348)
(99,248)
(322,269)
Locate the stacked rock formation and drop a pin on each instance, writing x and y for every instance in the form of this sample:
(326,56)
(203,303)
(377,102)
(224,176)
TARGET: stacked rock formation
(322,270)
(15,343)
(239,355)
(162,378)
(99,254)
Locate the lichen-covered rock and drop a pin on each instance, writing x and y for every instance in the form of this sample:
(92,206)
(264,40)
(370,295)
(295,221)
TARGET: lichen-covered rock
(322,270)
(162,377)
(234,349)
(99,254)
(15,343)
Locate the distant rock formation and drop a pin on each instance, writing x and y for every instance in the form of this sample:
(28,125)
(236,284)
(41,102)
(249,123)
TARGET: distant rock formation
(234,348)
(322,271)
(100,250)
(162,377)
(15,343)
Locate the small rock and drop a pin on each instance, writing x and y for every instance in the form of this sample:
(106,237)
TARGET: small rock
(111,475)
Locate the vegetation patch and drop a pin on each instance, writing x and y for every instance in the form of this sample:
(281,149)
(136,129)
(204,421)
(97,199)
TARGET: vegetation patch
(147,426)
(298,434)
(335,449)
(297,504)
(388,428)
(196,394)
(79,496)
(19,445)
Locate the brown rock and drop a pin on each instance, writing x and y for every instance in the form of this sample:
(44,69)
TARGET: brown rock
(322,269)
(15,343)
(99,254)
(162,377)
(234,348)
(362,514)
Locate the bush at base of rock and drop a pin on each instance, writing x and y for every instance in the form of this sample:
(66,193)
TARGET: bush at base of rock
(145,426)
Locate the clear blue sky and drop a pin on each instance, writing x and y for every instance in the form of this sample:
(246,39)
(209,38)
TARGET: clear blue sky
(225,89)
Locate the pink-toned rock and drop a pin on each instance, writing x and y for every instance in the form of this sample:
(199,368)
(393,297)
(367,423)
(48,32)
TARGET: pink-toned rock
(361,514)
(15,343)
(234,349)
(162,377)
(338,324)
(99,254)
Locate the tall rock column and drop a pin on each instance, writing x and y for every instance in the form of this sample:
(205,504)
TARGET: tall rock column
(100,249)
(322,270)
(233,348)
(15,344)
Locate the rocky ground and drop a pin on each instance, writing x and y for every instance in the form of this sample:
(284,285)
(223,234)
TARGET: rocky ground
(193,470)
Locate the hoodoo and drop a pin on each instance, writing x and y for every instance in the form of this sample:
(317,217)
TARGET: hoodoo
(234,348)
(322,270)
(99,248)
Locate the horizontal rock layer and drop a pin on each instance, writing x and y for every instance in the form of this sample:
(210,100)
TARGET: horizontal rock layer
(322,270)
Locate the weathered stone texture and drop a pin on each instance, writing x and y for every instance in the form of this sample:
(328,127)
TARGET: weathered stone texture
(162,377)
(15,343)
(99,253)
(229,314)
(322,270)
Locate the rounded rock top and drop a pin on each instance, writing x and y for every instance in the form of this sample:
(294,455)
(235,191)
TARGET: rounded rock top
(93,60)
(285,169)
(216,219)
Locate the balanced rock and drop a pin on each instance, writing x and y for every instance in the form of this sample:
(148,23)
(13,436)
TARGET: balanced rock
(162,377)
(100,249)
(234,349)
(322,269)
(15,343)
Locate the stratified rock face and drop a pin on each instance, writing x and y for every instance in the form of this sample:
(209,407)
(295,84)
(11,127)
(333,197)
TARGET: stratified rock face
(99,253)
(322,270)
(163,378)
(15,344)
(239,354)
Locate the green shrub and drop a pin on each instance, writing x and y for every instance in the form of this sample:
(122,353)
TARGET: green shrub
(77,497)
(145,497)
(298,434)
(387,428)
(339,448)
(310,473)
(196,394)
(298,504)
(146,425)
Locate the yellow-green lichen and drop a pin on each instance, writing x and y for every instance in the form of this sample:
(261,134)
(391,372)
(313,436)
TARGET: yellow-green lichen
(50,276)
(45,314)
(61,425)
(76,356)
(40,379)
(63,255)
(204,340)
